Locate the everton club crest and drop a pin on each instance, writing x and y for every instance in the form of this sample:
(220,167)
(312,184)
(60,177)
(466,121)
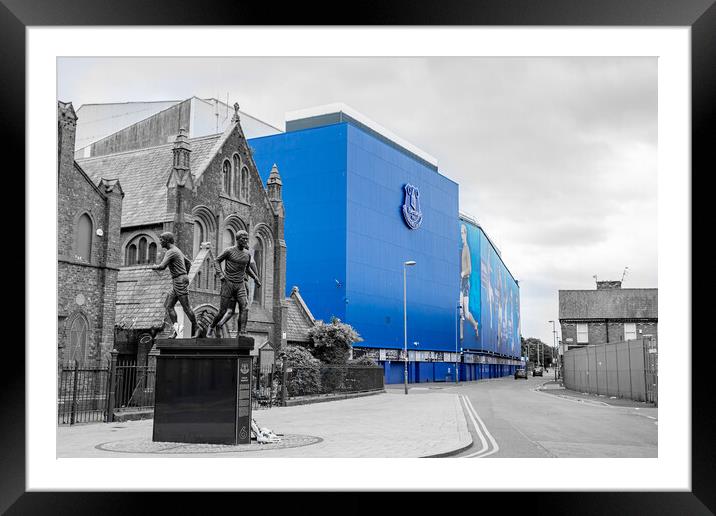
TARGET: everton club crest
(411,207)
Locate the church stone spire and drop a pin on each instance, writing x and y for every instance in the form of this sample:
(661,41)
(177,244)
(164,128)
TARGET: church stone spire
(274,184)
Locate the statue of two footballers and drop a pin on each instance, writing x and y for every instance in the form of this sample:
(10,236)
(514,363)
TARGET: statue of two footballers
(238,267)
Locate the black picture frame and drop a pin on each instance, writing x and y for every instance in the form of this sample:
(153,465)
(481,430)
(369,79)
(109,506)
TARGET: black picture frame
(700,15)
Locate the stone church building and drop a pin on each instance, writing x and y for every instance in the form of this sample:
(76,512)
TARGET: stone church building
(203,190)
(89,212)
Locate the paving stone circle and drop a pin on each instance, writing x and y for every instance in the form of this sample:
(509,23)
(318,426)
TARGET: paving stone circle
(165,448)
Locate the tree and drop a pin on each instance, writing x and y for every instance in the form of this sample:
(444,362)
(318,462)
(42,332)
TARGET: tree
(305,377)
(332,345)
(533,348)
(332,342)
(364,361)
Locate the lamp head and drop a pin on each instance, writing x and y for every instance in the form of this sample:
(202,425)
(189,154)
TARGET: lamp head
(410,262)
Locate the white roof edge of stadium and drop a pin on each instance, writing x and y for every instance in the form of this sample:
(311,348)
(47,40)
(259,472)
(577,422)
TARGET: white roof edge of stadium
(340,107)
(472,220)
(469,218)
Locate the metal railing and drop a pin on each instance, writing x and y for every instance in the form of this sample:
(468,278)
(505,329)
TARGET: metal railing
(134,386)
(266,389)
(82,393)
(95,392)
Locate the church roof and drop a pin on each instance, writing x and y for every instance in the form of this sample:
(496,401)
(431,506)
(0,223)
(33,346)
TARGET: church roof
(140,297)
(143,174)
(299,318)
(141,292)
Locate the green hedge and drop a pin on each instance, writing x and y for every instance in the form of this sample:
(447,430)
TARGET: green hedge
(305,375)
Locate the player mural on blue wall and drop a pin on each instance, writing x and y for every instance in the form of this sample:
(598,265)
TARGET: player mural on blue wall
(500,301)
(489,297)
(465,278)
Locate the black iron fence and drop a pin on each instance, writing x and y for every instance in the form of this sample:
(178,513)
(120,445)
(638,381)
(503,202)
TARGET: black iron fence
(266,383)
(134,386)
(96,393)
(82,393)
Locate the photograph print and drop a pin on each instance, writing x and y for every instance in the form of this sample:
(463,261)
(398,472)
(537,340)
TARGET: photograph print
(382,257)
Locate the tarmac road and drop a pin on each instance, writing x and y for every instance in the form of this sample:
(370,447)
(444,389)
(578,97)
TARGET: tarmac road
(511,418)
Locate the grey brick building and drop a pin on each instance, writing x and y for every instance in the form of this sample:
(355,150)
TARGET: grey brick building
(89,212)
(608,314)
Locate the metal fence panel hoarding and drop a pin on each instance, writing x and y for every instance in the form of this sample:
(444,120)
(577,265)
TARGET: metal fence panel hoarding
(626,369)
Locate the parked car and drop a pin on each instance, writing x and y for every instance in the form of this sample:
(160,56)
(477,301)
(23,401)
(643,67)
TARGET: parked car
(538,371)
(521,373)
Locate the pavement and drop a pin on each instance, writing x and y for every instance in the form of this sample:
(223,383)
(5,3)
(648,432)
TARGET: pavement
(497,418)
(557,389)
(424,423)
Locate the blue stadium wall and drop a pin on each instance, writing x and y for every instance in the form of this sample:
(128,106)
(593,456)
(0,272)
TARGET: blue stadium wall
(379,242)
(347,240)
(313,165)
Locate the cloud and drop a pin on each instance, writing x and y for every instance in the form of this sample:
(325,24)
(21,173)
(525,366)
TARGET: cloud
(556,157)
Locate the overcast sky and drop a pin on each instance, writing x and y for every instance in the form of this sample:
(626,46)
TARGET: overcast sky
(555,157)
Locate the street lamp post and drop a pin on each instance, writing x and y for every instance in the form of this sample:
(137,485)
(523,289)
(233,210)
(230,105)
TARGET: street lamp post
(560,357)
(527,362)
(407,264)
(554,340)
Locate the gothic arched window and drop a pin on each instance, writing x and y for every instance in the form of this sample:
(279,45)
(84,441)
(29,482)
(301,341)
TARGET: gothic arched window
(229,238)
(205,230)
(244,184)
(140,250)
(227,177)
(259,261)
(83,239)
(79,339)
(199,235)
(152,253)
(236,192)
(130,257)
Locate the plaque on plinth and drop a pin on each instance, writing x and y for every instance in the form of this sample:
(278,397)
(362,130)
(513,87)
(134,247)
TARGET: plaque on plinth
(203,390)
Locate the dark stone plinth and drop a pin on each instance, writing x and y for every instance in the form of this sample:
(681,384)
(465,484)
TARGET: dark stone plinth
(242,345)
(203,391)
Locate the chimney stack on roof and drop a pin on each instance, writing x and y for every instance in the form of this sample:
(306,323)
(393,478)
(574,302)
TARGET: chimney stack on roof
(608,285)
